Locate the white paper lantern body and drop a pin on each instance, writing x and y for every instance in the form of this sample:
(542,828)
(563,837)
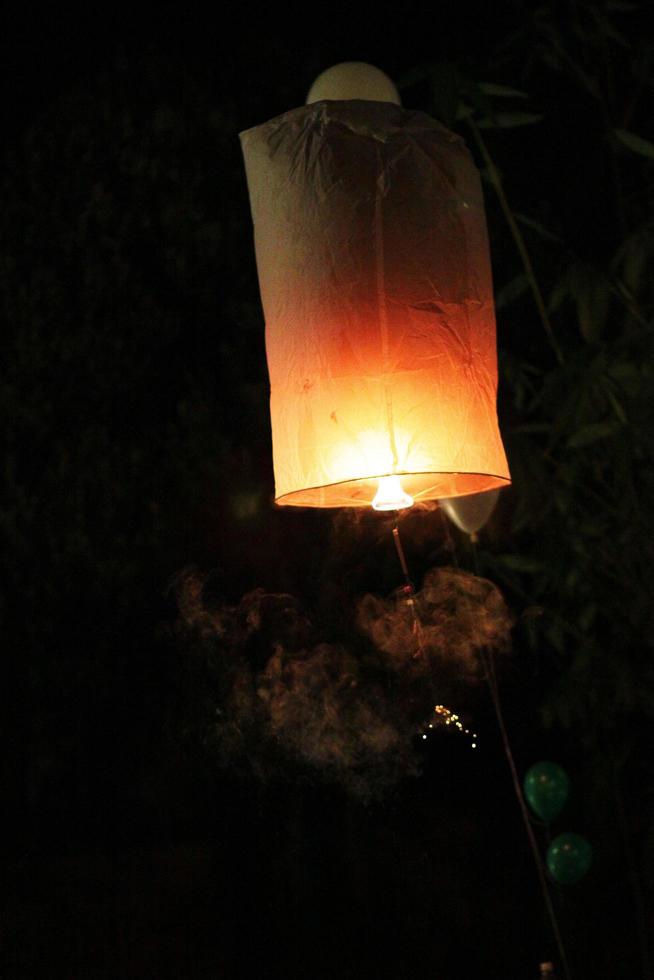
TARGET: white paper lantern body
(375,280)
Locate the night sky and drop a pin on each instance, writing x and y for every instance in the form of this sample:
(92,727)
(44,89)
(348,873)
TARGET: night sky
(214,762)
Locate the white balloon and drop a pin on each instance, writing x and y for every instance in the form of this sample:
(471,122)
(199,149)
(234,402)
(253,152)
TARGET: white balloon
(470,513)
(353,80)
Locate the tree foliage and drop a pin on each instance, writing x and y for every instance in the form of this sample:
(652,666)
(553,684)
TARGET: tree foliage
(577,375)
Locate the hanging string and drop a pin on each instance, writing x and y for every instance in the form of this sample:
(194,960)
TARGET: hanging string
(488,665)
(400,554)
(442,715)
(489,671)
(409,591)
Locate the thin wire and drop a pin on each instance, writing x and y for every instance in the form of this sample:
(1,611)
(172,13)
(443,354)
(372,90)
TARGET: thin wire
(418,629)
(409,591)
(402,557)
(491,679)
(489,670)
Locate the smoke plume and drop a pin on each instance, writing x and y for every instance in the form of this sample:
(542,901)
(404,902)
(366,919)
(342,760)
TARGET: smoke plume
(443,628)
(272,691)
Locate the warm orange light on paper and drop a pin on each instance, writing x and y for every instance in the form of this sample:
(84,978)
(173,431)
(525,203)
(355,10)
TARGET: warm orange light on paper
(390,495)
(376,286)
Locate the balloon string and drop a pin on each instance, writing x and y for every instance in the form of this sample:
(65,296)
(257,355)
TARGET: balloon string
(489,670)
(491,679)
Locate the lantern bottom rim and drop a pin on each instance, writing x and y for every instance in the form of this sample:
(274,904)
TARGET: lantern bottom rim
(422,486)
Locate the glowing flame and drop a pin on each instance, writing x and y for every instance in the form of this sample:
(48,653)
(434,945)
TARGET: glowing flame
(390,495)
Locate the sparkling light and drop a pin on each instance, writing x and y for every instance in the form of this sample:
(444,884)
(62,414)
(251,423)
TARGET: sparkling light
(449,719)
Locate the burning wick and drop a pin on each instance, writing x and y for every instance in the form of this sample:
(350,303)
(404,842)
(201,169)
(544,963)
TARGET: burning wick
(390,495)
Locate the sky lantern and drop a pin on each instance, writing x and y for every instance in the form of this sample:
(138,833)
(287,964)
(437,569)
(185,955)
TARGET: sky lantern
(375,279)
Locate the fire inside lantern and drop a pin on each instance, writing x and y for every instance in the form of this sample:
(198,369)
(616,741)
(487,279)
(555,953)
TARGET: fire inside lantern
(375,279)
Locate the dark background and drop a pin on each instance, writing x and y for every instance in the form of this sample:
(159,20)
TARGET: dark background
(140,841)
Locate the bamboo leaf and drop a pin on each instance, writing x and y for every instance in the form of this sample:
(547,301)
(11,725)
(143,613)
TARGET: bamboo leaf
(445,83)
(419,73)
(510,120)
(559,294)
(616,405)
(635,143)
(520,563)
(606,28)
(530,428)
(501,91)
(536,226)
(593,432)
(511,291)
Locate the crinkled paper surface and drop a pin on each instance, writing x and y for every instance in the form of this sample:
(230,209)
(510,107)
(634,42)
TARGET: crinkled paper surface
(375,280)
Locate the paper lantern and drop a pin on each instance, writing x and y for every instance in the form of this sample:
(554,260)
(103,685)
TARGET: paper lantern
(375,279)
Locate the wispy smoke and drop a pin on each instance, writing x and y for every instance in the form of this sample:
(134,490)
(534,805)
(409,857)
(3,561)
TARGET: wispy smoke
(452,618)
(274,692)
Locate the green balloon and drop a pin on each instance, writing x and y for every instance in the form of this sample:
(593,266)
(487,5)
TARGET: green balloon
(569,857)
(546,787)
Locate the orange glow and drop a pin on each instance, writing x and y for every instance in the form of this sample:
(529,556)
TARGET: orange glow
(390,495)
(376,286)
